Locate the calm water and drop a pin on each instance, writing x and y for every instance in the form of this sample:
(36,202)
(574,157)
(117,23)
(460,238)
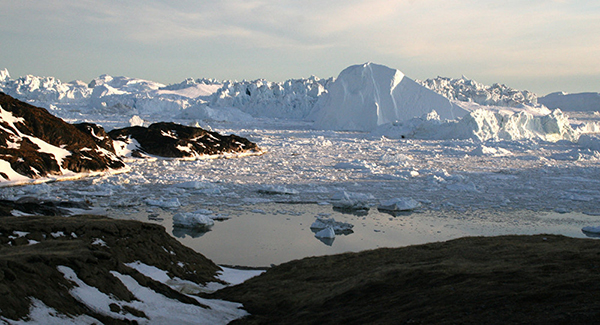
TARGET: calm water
(273,233)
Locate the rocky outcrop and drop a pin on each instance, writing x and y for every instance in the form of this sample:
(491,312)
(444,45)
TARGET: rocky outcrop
(173,140)
(542,279)
(34,250)
(36,144)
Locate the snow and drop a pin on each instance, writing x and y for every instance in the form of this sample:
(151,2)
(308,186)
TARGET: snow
(237,276)
(39,313)
(229,275)
(150,271)
(366,96)
(158,308)
(98,241)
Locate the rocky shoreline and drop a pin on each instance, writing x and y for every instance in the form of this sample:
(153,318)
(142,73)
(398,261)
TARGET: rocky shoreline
(537,279)
(36,145)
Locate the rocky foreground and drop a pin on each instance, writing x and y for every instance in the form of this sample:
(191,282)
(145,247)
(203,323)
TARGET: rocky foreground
(543,279)
(34,250)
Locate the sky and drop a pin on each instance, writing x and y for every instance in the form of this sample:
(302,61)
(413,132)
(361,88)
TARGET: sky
(539,45)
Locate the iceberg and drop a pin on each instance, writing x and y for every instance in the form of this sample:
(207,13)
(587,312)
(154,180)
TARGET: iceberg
(366,96)
(399,204)
(192,220)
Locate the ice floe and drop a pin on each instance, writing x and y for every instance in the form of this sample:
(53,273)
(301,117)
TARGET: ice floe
(399,204)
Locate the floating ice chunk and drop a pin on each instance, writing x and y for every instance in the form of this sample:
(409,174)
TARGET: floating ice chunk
(337,226)
(399,204)
(136,121)
(343,195)
(212,215)
(590,229)
(256,200)
(196,185)
(171,203)
(482,150)
(274,189)
(326,233)
(192,220)
(463,187)
(350,205)
(351,201)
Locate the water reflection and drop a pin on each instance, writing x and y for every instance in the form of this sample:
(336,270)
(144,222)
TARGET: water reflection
(396,213)
(326,241)
(197,232)
(354,212)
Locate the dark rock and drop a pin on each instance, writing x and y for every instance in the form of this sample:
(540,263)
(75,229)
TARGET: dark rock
(87,144)
(173,140)
(32,205)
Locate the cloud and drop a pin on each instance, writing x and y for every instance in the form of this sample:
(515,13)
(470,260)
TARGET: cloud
(511,37)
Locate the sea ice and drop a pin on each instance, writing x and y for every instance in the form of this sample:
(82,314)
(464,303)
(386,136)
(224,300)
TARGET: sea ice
(399,204)
(337,226)
(192,220)
(275,189)
(328,233)
(168,203)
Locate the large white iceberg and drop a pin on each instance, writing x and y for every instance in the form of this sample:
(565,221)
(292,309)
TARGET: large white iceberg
(366,96)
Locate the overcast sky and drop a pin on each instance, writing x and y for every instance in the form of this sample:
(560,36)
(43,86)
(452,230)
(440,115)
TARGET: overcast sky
(540,45)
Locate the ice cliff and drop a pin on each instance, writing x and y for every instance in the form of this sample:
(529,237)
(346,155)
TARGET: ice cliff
(467,90)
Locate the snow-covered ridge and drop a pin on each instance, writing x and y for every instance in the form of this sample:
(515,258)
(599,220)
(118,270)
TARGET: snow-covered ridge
(467,90)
